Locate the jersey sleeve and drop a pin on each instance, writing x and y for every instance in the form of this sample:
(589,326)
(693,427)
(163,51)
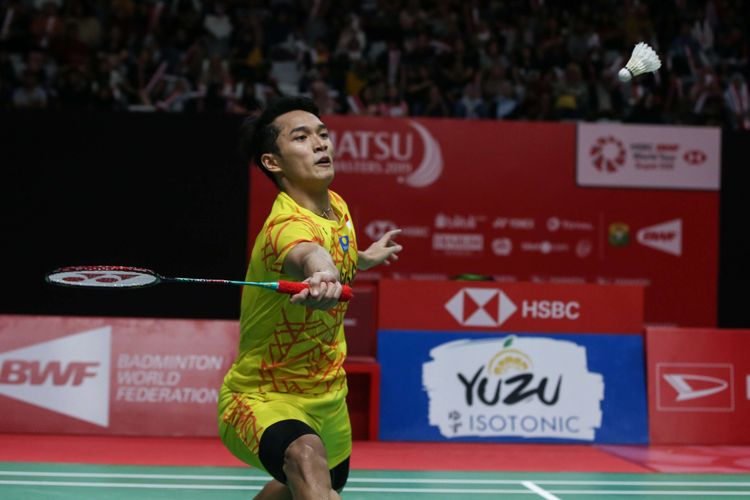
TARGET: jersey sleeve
(283,233)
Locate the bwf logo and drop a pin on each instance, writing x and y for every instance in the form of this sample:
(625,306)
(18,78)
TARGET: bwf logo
(481,307)
(68,375)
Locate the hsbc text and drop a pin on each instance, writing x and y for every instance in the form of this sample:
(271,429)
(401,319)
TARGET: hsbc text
(550,309)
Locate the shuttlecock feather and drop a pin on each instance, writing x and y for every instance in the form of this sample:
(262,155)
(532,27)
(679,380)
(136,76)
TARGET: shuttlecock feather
(642,60)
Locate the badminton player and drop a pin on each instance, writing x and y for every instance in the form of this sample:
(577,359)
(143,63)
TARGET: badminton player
(282,407)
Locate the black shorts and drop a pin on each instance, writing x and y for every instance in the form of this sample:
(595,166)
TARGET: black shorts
(277,438)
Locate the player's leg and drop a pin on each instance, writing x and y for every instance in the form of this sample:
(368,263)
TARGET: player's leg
(336,433)
(260,431)
(306,469)
(293,453)
(274,490)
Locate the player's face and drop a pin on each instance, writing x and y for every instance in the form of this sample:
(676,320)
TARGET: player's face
(306,158)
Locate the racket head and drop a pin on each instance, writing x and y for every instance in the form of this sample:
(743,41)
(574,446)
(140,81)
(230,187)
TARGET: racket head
(103,277)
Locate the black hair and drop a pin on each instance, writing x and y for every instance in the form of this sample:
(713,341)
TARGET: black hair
(258,134)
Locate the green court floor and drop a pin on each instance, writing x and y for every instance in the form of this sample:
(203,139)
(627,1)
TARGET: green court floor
(26,481)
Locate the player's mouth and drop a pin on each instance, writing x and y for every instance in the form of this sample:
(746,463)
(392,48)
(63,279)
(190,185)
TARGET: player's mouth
(324,161)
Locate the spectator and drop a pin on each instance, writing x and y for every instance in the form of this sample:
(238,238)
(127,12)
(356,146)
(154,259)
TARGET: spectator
(219,27)
(506,102)
(394,104)
(471,105)
(498,60)
(47,25)
(30,94)
(436,105)
(736,98)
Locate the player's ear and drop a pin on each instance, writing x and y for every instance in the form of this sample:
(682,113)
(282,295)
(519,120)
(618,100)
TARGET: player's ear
(268,162)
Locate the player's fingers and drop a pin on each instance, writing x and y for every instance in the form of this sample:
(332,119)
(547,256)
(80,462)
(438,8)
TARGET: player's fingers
(329,292)
(387,237)
(334,290)
(315,285)
(300,297)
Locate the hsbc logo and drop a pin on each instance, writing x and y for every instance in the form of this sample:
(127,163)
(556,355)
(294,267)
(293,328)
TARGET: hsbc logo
(694,387)
(665,237)
(695,157)
(490,307)
(68,375)
(481,307)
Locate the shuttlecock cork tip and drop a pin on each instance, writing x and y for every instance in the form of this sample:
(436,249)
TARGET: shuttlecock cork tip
(624,75)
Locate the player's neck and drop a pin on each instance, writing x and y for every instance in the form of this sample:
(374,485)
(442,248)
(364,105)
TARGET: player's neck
(317,202)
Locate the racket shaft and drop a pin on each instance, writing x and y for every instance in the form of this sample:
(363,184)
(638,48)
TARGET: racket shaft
(288,287)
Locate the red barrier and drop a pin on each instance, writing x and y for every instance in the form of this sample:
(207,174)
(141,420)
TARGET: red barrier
(139,377)
(698,386)
(502,199)
(361,339)
(518,307)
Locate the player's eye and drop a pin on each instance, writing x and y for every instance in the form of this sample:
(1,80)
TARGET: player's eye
(300,138)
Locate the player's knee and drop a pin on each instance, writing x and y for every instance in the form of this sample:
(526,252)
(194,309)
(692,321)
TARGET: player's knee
(304,454)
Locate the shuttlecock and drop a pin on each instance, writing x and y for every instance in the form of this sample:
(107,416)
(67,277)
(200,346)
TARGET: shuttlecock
(642,60)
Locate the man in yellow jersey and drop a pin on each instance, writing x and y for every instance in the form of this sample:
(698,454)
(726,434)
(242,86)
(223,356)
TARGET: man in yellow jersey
(282,407)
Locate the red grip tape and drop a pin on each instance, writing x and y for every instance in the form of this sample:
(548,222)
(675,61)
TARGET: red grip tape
(293,287)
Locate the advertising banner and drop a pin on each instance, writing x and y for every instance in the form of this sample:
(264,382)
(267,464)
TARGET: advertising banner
(698,386)
(112,375)
(440,386)
(647,156)
(520,307)
(503,199)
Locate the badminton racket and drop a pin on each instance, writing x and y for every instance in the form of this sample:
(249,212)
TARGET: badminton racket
(136,277)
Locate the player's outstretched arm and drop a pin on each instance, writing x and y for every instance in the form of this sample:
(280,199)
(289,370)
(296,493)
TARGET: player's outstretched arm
(383,251)
(311,263)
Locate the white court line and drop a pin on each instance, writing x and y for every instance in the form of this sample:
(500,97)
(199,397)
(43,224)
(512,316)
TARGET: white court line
(604,493)
(539,491)
(437,480)
(462,492)
(131,485)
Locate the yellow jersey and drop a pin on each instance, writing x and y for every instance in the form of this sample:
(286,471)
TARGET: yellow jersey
(288,348)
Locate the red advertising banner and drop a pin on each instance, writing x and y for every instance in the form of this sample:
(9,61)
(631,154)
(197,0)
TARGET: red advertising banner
(112,375)
(502,199)
(516,307)
(698,386)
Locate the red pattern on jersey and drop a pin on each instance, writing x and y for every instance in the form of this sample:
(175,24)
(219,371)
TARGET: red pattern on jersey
(310,344)
(312,341)
(275,228)
(241,417)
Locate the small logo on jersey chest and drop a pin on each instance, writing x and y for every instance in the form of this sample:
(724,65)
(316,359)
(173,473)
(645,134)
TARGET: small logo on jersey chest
(344,240)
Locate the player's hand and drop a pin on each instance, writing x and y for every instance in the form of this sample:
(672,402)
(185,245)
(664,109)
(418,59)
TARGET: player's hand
(383,251)
(323,291)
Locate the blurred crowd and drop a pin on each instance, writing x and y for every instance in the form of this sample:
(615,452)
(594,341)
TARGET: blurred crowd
(474,59)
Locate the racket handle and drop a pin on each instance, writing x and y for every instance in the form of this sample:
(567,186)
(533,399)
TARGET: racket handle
(293,287)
